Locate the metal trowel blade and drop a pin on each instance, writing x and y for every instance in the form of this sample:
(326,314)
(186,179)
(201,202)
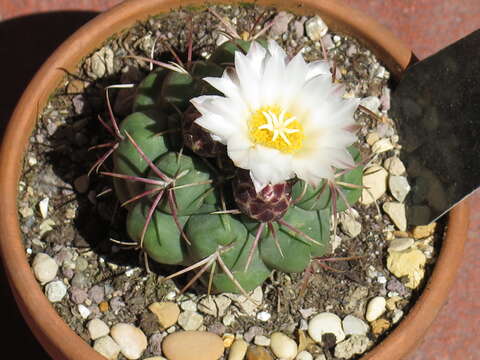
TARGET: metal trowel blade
(436,106)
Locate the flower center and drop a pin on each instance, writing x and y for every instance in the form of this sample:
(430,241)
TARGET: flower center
(273,127)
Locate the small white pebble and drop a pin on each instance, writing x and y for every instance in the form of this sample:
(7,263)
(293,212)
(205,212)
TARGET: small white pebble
(228,319)
(325,323)
(97,329)
(264,316)
(171,329)
(43,206)
(397,315)
(304,355)
(32,161)
(352,325)
(316,28)
(129,272)
(189,305)
(84,311)
(132,340)
(107,347)
(375,308)
(382,279)
(171,295)
(261,340)
(44,267)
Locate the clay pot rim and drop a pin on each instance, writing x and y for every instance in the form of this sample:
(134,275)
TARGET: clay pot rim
(50,330)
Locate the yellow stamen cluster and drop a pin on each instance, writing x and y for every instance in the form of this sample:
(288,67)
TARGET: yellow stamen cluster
(275,128)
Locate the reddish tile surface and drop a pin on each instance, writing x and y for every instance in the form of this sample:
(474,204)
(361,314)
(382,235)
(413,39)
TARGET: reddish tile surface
(425,25)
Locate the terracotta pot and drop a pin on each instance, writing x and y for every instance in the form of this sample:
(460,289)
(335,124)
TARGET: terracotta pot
(51,331)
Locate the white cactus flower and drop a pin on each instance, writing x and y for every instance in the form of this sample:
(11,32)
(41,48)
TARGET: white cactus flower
(280,119)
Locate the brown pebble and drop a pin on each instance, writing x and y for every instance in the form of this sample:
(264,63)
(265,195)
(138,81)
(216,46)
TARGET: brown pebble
(420,232)
(183,344)
(258,353)
(75,86)
(401,234)
(379,326)
(103,306)
(167,313)
(304,341)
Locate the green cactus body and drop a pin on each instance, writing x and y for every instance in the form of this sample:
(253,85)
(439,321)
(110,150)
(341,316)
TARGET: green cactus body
(144,128)
(179,88)
(200,188)
(148,90)
(235,259)
(162,240)
(192,175)
(208,232)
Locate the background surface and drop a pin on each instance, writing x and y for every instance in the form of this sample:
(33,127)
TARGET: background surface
(31,29)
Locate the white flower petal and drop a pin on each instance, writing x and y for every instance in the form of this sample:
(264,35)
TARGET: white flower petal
(265,78)
(226,84)
(319,67)
(266,169)
(238,149)
(276,51)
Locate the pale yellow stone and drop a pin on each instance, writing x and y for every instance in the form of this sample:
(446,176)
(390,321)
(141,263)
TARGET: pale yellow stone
(420,232)
(379,326)
(382,145)
(408,263)
(372,138)
(283,346)
(167,313)
(228,340)
(391,303)
(375,183)
(400,244)
(189,345)
(396,212)
(304,341)
(238,350)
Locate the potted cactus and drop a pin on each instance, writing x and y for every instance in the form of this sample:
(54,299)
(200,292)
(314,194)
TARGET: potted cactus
(241,197)
(210,205)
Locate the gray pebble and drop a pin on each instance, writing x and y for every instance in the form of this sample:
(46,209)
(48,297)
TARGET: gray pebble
(356,344)
(81,264)
(116,303)
(217,328)
(96,294)
(155,344)
(190,320)
(77,295)
(55,291)
(78,104)
(280,23)
(80,281)
(252,332)
(396,286)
